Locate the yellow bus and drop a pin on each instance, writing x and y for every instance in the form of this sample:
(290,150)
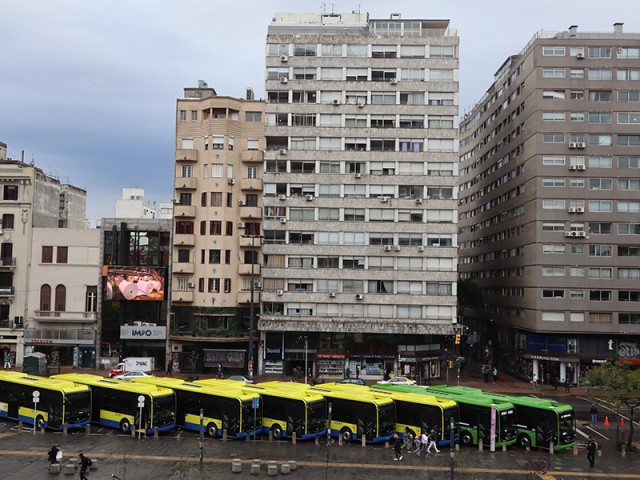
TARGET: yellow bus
(354,412)
(60,402)
(283,412)
(231,410)
(114,403)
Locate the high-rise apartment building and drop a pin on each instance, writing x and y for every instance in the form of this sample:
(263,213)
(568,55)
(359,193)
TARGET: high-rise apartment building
(549,202)
(217,231)
(360,194)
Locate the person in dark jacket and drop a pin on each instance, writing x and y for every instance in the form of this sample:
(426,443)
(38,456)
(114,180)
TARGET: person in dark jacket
(592,446)
(85,463)
(53,455)
(397,447)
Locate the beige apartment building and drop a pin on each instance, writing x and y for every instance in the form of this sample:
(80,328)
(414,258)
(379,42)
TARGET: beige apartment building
(217,230)
(360,195)
(549,202)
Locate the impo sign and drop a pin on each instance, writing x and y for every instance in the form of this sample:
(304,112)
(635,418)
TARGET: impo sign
(143,333)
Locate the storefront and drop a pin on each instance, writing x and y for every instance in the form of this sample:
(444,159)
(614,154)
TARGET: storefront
(331,365)
(68,347)
(144,341)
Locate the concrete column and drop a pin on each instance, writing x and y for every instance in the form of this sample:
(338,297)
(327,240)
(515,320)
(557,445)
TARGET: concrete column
(563,371)
(536,369)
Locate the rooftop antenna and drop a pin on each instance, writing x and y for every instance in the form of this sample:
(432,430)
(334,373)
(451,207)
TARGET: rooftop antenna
(332,5)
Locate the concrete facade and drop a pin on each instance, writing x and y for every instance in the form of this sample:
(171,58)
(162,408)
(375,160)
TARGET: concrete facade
(360,192)
(549,205)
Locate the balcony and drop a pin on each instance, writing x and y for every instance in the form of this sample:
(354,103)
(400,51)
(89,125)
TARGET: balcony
(245,297)
(186,183)
(184,211)
(45,316)
(187,239)
(7,263)
(182,268)
(245,269)
(181,297)
(250,242)
(250,212)
(69,336)
(6,292)
(251,156)
(183,155)
(251,184)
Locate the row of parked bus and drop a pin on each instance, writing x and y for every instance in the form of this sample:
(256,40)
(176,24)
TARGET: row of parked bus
(284,408)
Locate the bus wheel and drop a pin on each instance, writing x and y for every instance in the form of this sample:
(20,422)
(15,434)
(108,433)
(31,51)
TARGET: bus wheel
(466,438)
(212,431)
(39,422)
(524,441)
(346,435)
(276,431)
(125,426)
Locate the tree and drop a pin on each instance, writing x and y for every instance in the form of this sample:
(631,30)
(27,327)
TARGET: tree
(620,384)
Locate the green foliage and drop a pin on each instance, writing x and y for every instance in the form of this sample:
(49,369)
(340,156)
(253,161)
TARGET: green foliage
(620,385)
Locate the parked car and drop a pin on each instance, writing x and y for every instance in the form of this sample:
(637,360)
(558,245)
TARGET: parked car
(131,375)
(398,381)
(240,378)
(354,381)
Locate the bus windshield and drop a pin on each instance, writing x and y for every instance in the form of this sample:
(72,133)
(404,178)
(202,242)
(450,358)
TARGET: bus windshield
(77,407)
(163,410)
(387,419)
(248,413)
(316,415)
(567,427)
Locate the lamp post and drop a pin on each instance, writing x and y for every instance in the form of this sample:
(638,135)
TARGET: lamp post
(306,349)
(251,308)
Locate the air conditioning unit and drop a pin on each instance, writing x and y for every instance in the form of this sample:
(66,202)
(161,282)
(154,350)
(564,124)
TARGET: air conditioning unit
(361,104)
(284,58)
(581,167)
(581,145)
(573,145)
(580,55)
(191,285)
(567,233)
(418,201)
(257,285)
(387,248)
(572,210)
(572,167)
(359,296)
(231,181)
(284,80)
(283,151)
(383,199)
(579,210)
(282,197)
(393,81)
(421,248)
(242,203)
(240,225)
(308,198)
(357,175)
(574,233)
(336,102)
(396,248)
(176,348)
(332,295)
(283,220)
(582,234)
(279,292)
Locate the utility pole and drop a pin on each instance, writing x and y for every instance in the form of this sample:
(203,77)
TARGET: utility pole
(452,427)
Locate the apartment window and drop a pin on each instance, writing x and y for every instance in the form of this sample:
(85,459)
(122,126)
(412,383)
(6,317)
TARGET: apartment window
(576,116)
(553,160)
(629,318)
(47,254)
(553,138)
(45,298)
(576,249)
(576,94)
(553,271)
(629,95)
(554,249)
(383,98)
(91,299)
(576,73)
(553,204)
(60,298)
(628,74)
(600,74)
(600,117)
(600,273)
(183,255)
(550,293)
(628,117)
(628,52)
(629,273)
(600,295)
(440,145)
(412,74)
(411,98)
(599,52)
(10,192)
(600,250)
(305,50)
(7,221)
(629,296)
(597,228)
(600,95)
(629,229)
(215,227)
(600,162)
(216,199)
(183,115)
(628,140)
(600,140)
(417,121)
(553,116)
(412,51)
(441,51)
(553,182)
(357,51)
(576,294)
(553,73)
(629,206)
(328,262)
(331,50)
(194,115)
(213,285)
(440,75)
(576,183)
(553,94)
(384,51)
(600,184)
(629,184)
(184,228)
(553,227)
(435,121)
(576,271)
(252,117)
(550,51)
(441,98)
(600,206)
(62,254)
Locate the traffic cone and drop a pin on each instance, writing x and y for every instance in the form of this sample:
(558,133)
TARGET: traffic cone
(622,421)
(606,421)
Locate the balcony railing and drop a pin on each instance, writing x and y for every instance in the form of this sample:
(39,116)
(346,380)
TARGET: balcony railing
(60,317)
(8,262)
(7,291)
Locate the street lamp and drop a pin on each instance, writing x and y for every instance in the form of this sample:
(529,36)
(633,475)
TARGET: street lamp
(306,349)
(251,305)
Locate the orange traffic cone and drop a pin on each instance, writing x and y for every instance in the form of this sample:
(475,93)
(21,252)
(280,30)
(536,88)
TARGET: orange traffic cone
(622,421)
(606,421)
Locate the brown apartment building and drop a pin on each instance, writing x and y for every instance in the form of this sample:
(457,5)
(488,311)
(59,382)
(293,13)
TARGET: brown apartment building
(549,214)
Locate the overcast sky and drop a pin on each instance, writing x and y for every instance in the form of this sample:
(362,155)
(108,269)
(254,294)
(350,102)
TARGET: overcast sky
(88,87)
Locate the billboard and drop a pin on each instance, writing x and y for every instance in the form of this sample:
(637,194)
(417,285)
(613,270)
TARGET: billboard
(134,283)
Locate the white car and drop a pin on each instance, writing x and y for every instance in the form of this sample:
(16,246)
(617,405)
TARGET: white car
(398,381)
(240,378)
(131,375)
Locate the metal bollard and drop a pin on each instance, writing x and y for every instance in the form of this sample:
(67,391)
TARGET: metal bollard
(155,433)
(340,439)
(88,430)
(42,431)
(623,451)
(224,435)
(364,440)
(179,435)
(386,444)
(294,465)
(551,451)
(19,427)
(457,446)
(480,444)
(575,449)
(504,446)
(236,465)
(255,469)
(293,438)
(65,429)
(285,468)
(272,469)
(133,431)
(599,452)
(270,436)
(317,440)
(248,437)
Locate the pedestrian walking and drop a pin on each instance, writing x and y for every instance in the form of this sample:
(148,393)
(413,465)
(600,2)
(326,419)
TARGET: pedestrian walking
(170,368)
(592,446)
(85,463)
(7,360)
(424,442)
(53,456)
(486,373)
(534,381)
(357,371)
(347,373)
(567,386)
(495,375)
(594,414)
(432,442)
(397,447)
(220,370)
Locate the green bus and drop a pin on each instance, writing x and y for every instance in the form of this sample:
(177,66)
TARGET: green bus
(61,403)
(415,413)
(114,403)
(540,421)
(475,414)
(356,413)
(283,411)
(229,410)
